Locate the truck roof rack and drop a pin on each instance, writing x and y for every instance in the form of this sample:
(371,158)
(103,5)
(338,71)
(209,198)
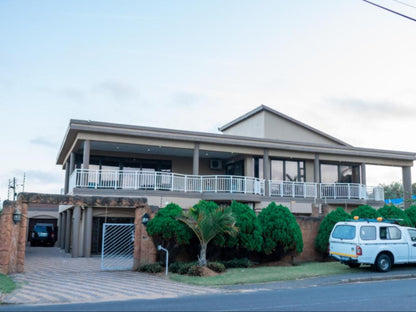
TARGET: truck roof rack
(379,219)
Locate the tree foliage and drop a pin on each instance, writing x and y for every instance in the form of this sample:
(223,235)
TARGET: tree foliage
(207,220)
(327,224)
(395,190)
(365,212)
(166,225)
(281,232)
(249,230)
(411,213)
(392,212)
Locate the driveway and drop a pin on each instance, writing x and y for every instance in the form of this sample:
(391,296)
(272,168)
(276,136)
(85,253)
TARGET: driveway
(51,276)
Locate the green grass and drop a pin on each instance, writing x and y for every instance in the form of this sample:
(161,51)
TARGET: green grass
(266,274)
(7,285)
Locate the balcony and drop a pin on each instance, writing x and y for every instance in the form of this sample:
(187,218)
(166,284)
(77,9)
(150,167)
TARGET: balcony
(168,181)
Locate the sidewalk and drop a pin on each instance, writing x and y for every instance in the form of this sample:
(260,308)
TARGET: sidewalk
(51,276)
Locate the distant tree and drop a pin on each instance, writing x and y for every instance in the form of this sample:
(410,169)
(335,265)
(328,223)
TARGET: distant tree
(281,232)
(249,234)
(327,224)
(207,220)
(365,212)
(393,190)
(392,212)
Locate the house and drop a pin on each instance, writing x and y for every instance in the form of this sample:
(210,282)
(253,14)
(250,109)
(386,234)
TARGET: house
(260,157)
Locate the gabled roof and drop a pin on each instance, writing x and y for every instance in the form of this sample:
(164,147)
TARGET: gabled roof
(263,108)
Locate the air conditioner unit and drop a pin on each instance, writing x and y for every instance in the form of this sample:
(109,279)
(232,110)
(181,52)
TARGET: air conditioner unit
(215,164)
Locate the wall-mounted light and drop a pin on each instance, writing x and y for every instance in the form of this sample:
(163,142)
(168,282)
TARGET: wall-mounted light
(17,217)
(145,219)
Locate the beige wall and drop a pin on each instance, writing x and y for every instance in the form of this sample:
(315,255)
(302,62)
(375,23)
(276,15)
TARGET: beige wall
(252,127)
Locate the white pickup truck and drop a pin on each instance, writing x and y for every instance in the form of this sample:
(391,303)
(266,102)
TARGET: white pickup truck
(375,242)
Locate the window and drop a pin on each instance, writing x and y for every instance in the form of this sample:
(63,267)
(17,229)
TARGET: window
(412,234)
(390,232)
(288,170)
(344,232)
(368,232)
(344,173)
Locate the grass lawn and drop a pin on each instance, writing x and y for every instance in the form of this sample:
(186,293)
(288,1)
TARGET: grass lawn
(266,274)
(7,285)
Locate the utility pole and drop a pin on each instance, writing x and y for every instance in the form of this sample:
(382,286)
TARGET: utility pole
(12,190)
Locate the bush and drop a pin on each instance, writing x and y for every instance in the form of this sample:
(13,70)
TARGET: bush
(392,212)
(216,267)
(327,224)
(281,232)
(365,212)
(195,270)
(151,268)
(238,263)
(249,234)
(180,267)
(411,213)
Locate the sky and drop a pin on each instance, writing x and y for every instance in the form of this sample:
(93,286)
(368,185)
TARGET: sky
(344,67)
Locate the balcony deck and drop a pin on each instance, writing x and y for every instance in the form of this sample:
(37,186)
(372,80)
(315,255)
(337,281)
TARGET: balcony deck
(149,181)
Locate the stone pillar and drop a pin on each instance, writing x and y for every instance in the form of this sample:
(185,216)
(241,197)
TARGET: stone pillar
(407,186)
(363,174)
(195,170)
(68,230)
(66,187)
(88,232)
(75,231)
(62,230)
(86,155)
(144,249)
(266,171)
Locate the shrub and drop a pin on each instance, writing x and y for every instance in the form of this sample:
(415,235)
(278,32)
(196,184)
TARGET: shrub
(327,224)
(411,213)
(392,212)
(195,270)
(216,267)
(151,268)
(249,234)
(365,212)
(180,267)
(237,263)
(281,232)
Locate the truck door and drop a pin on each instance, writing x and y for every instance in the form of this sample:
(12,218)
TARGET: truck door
(412,245)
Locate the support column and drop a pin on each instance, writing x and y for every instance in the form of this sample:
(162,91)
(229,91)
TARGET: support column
(195,170)
(75,231)
(86,155)
(249,166)
(407,186)
(266,171)
(316,171)
(363,174)
(66,187)
(71,163)
(68,230)
(88,232)
(81,237)
(62,230)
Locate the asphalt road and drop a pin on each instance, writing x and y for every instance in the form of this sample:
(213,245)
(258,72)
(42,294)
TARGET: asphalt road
(383,295)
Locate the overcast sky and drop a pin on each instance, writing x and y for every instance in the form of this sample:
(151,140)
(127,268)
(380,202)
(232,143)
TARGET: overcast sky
(344,67)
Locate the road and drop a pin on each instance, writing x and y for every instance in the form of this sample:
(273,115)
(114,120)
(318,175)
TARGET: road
(388,295)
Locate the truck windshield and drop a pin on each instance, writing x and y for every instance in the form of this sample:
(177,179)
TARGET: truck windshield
(344,232)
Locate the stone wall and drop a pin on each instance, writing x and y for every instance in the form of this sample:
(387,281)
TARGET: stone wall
(12,239)
(309,227)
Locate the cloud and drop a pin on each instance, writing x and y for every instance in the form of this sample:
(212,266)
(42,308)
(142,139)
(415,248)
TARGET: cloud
(373,108)
(42,141)
(119,91)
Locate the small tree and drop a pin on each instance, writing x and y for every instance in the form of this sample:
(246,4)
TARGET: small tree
(167,230)
(249,234)
(327,224)
(207,220)
(365,212)
(281,232)
(392,212)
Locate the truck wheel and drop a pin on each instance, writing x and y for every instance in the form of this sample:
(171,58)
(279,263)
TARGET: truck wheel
(383,263)
(354,265)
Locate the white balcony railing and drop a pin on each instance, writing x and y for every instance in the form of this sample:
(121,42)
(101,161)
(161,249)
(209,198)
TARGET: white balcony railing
(168,181)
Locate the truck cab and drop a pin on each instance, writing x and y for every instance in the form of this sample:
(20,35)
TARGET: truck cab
(379,243)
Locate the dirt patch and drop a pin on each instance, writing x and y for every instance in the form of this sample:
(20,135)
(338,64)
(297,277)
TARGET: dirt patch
(207,272)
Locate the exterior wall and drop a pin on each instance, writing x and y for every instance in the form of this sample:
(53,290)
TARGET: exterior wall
(309,227)
(294,207)
(252,127)
(12,239)
(310,171)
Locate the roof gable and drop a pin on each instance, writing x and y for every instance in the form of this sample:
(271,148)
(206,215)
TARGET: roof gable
(265,122)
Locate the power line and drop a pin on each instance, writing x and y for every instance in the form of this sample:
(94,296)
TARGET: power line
(404,3)
(387,9)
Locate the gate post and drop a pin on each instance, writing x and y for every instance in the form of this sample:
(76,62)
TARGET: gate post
(144,249)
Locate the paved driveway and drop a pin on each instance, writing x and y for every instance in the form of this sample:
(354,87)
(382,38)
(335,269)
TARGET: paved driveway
(51,276)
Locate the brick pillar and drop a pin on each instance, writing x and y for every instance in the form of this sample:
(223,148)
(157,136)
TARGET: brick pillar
(144,249)
(21,244)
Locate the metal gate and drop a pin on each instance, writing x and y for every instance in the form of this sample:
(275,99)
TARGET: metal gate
(117,247)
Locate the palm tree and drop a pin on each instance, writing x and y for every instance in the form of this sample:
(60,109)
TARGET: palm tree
(208,223)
